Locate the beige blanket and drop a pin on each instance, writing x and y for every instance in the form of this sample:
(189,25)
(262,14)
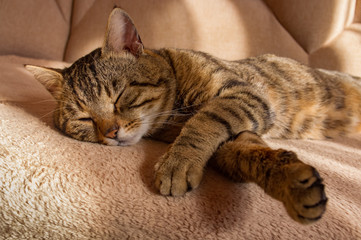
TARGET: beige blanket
(55,187)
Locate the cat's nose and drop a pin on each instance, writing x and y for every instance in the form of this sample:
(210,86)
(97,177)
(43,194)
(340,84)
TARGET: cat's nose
(112,132)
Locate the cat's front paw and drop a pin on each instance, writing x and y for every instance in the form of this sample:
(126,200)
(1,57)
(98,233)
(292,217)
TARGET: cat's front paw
(305,198)
(175,175)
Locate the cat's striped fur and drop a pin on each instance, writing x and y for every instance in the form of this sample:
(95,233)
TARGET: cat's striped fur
(119,93)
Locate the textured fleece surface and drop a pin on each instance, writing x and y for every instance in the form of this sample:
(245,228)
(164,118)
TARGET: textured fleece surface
(54,187)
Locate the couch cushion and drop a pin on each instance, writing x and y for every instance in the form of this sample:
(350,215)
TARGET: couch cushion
(36,28)
(342,54)
(19,87)
(357,18)
(227,29)
(313,23)
(54,187)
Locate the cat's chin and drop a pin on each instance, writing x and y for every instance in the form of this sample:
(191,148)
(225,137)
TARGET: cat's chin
(121,142)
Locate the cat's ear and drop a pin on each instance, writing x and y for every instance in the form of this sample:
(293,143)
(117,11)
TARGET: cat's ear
(51,78)
(121,34)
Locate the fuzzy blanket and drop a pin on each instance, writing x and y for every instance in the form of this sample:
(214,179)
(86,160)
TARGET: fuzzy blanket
(54,187)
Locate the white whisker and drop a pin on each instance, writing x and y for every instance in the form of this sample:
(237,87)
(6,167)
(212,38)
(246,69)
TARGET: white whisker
(173,112)
(47,114)
(45,101)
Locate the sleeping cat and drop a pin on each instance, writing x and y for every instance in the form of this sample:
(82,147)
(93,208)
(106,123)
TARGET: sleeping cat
(216,109)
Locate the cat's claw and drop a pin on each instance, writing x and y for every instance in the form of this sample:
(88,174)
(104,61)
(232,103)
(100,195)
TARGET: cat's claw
(305,198)
(175,176)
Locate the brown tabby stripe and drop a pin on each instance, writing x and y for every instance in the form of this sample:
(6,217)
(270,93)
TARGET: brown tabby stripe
(82,134)
(339,94)
(260,67)
(209,58)
(251,117)
(296,95)
(192,131)
(134,99)
(231,83)
(264,106)
(326,93)
(190,142)
(232,112)
(333,91)
(194,96)
(115,84)
(119,95)
(279,82)
(220,67)
(260,72)
(78,104)
(107,90)
(168,58)
(148,84)
(68,107)
(165,102)
(283,75)
(96,84)
(145,102)
(191,138)
(88,83)
(334,124)
(83,92)
(267,118)
(70,81)
(242,106)
(217,70)
(214,117)
(305,126)
(64,124)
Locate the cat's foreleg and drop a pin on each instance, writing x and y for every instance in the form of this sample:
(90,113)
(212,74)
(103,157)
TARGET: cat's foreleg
(181,168)
(279,172)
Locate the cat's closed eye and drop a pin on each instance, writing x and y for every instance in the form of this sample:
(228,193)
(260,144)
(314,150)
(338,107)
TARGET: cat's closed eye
(85,119)
(120,94)
(143,103)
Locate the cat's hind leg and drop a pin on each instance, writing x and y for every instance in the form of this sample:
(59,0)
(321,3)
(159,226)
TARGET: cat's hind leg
(279,172)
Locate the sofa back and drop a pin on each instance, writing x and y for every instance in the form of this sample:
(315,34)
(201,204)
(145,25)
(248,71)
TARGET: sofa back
(322,33)
(228,29)
(36,28)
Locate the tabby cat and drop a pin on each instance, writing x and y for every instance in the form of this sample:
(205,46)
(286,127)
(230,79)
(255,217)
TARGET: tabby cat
(213,110)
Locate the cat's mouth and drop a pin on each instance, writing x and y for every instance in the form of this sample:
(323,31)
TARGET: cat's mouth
(121,142)
(121,137)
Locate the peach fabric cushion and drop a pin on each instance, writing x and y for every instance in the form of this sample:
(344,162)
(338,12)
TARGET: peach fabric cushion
(325,34)
(18,87)
(55,187)
(328,30)
(227,29)
(313,23)
(34,28)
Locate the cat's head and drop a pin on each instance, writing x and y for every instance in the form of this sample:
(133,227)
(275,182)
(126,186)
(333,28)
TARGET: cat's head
(115,94)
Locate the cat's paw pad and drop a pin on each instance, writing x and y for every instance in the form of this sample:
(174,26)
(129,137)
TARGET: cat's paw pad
(305,197)
(174,176)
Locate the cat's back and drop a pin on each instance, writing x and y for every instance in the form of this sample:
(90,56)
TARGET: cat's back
(275,70)
(268,67)
(311,103)
(304,101)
